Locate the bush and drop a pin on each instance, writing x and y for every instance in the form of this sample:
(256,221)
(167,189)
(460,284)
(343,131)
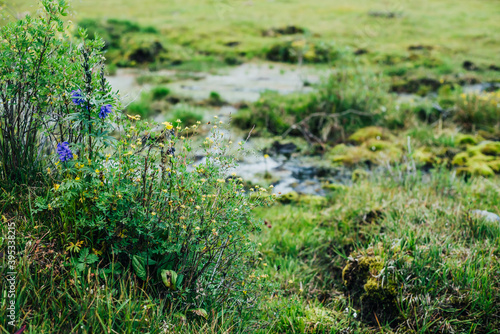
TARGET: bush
(477,111)
(134,199)
(144,204)
(160,92)
(346,101)
(35,64)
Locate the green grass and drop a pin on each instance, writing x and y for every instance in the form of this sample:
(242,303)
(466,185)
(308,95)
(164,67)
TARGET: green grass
(453,31)
(432,266)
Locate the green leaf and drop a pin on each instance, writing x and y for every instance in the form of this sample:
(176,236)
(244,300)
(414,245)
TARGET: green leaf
(83,254)
(139,265)
(169,277)
(201,312)
(91,259)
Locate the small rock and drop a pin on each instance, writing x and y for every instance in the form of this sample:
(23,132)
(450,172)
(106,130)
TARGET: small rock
(488,216)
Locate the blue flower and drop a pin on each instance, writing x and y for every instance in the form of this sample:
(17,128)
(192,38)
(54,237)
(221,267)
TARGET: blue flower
(77,97)
(64,152)
(105,110)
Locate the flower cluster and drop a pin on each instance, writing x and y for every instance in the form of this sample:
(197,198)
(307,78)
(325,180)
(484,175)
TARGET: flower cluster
(105,110)
(64,151)
(77,97)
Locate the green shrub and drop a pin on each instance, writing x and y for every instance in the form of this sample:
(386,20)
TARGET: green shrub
(348,100)
(36,63)
(187,115)
(477,111)
(144,204)
(159,92)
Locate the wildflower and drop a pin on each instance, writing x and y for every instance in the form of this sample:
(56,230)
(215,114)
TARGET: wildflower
(221,180)
(77,178)
(64,151)
(135,118)
(266,156)
(105,111)
(153,213)
(77,97)
(56,186)
(168,125)
(197,228)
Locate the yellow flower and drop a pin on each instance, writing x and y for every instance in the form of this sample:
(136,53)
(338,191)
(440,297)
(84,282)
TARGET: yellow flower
(135,118)
(221,180)
(97,171)
(197,228)
(168,125)
(266,156)
(77,178)
(153,213)
(56,186)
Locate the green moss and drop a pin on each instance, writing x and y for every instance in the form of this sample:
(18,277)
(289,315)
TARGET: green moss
(460,159)
(361,279)
(466,139)
(379,145)
(425,157)
(312,200)
(476,169)
(291,197)
(490,148)
(334,187)
(495,165)
(370,132)
(351,155)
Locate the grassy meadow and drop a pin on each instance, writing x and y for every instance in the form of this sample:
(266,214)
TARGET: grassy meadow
(142,233)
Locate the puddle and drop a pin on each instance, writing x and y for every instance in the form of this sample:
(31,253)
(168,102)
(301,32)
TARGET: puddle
(246,82)
(237,84)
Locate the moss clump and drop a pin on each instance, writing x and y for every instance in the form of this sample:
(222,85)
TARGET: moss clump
(466,140)
(291,197)
(460,159)
(490,148)
(495,165)
(294,197)
(476,169)
(425,157)
(366,290)
(334,187)
(370,132)
(351,155)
